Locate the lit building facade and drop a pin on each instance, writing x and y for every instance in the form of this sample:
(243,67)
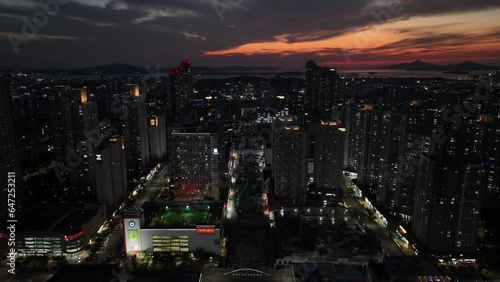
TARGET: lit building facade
(51,231)
(392,133)
(157,136)
(180,88)
(7,145)
(135,128)
(329,155)
(449,192)
(193,163)
(149,230)
(75,122)
(368,139)
(111,172)
(289,166)
(321,88)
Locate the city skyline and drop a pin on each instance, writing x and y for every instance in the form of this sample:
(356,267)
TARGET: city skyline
(246,140)
(219,33)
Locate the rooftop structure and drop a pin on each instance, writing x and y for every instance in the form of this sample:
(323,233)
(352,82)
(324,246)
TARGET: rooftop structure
(185,214)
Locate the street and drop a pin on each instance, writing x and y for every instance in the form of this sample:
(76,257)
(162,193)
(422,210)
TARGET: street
(377,229)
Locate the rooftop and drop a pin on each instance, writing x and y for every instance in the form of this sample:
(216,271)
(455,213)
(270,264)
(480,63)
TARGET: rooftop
(46,218)
(411,266)
(75,220)
(182,214)
(41,218)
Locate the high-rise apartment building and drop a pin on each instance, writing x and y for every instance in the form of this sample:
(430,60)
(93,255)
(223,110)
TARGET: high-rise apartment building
(193,163)
(492,197)
(329,146)
(320,91)
(412,146)
(111,172)
(157,136)
(75,124)
(62,129)
(393,129)
(86,122)
(180,88)
(8,162)
(367,143)
(134,120)
(289,145)
(353,126)
(449,190)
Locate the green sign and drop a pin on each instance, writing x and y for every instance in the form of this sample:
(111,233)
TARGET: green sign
(133,234)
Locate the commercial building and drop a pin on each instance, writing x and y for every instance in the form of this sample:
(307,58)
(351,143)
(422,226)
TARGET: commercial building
(57,231)
(173,227)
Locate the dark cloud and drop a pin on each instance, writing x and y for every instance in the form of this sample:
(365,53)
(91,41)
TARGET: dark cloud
(157,31)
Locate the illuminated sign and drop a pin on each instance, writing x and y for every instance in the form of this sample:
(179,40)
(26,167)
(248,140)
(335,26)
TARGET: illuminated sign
(73,236)
(131,224)
(204,230)
(98,157)
(133,234)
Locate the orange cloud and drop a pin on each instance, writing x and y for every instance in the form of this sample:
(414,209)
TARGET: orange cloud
(461,36)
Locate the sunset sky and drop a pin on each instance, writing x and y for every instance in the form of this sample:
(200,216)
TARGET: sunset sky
(283,33)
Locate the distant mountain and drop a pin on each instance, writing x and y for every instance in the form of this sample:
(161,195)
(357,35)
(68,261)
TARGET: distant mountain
(116,68)
(130,69)
(417,65)
(233,69)
(423,66)
(471,66)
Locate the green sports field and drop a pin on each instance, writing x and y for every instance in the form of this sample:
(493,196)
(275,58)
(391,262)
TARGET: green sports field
(183,216)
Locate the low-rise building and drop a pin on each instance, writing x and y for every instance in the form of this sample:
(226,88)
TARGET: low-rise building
(57,231)
(173,227)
